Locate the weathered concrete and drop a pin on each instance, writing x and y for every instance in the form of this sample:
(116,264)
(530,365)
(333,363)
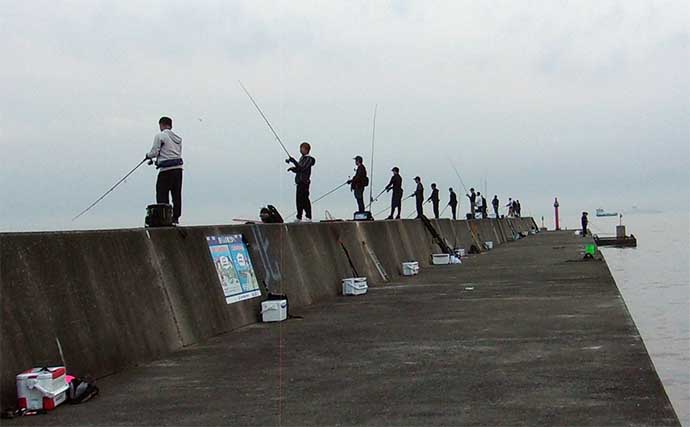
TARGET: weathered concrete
(526,334)
(117,298)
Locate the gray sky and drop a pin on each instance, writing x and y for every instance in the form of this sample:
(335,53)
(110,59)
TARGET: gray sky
(584,100)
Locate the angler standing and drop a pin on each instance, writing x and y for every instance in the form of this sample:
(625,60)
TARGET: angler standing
(359,182)
(484,208)
(395,184)
(495,204)
(302,171)
(434,199)
(473,199)
(584,221)
(167,150)
(478,203)
(419,196)
(453,202)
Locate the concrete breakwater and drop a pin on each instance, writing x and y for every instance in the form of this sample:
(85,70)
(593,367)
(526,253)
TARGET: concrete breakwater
(111,299)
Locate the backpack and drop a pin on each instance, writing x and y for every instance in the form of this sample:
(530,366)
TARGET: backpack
(81,390)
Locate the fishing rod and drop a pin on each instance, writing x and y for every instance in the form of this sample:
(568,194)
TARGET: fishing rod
(110,190)
(266,120)
(444,211)
(375,198)
(390,206)
(325,195)
(459,177)
(371,168)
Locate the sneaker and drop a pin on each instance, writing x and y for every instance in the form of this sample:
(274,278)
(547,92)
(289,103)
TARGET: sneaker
(390,217)
(296,220)
(307,220)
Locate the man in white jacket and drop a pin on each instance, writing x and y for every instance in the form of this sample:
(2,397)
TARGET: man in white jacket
(167,150)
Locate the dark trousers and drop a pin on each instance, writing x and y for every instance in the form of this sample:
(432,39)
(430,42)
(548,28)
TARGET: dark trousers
(436,211)
(454,210)
(584,229)
(420,206)
(496,211)
(302,199)
(484,214)
(396,203)
(359,196)
(170,183)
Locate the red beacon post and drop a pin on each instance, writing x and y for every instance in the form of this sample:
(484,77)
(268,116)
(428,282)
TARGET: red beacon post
(555,206)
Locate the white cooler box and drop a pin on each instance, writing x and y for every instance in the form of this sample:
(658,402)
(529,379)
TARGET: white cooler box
(274,310)
(355,286)
(440,259)
(459,252)
(489,245)
(410,268)
(41,388)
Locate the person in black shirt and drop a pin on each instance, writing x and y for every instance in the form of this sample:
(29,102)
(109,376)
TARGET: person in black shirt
(359,182)
(473,200)
(584,222)
(453,203)
(419,196)
(434,199)
(302,171)
(495,204)
(484,208)
(395,184)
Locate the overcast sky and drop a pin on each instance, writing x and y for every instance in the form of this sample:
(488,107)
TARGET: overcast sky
(584,100)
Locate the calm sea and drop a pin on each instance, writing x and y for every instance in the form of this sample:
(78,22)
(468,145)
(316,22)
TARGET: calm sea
(654,279)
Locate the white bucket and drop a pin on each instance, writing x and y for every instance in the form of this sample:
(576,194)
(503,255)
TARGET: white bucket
(410,268)
(460,252)
(455,260)
(440,259)
(274,310)
(355,286)
(489,245)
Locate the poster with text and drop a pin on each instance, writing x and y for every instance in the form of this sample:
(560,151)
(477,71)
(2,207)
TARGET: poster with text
(235,271)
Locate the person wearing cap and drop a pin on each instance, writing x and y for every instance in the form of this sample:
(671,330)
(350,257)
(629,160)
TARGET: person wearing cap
(434,199)
(395,184)
(453,203)
(302,171)
(359,182)
(419,196)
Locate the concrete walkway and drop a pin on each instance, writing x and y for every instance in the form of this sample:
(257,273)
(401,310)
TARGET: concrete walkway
(523,335)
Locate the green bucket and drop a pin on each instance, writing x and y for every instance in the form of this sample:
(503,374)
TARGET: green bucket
(591,249)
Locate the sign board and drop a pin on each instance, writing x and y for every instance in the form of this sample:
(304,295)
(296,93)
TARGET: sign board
(234,267)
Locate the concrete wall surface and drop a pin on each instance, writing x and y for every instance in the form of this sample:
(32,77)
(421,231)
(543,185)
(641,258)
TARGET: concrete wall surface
(116,298)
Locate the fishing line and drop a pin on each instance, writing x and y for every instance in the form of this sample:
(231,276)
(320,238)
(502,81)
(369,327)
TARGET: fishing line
(325,195)
(371,168)
(265,119)
(458,175)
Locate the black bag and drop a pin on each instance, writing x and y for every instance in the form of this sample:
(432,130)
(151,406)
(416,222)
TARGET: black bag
(81,390)
(159,215)
(270,215)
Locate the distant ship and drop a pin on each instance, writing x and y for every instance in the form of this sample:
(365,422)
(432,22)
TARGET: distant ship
(601,212)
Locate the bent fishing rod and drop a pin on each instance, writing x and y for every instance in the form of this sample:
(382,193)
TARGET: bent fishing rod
(110,189)
(265,119)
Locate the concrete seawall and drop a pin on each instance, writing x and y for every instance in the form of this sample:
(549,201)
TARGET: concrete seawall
(113,299)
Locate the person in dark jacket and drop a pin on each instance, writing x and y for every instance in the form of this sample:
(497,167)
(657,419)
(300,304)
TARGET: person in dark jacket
(518,208)
(359,182)
(302,171)
(419,196)
(434,199)
(473,200)
(584,222)
(495,204)
(395,184)
(453,203)
(484,208)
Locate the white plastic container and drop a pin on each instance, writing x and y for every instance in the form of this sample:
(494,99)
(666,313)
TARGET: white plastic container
(355,286)
(274,310)
(41,388)
(455,260)
(489,245)
(459,252)
(440,259)
(410,268)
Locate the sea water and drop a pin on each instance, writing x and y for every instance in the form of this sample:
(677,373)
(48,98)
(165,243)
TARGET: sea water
(654,280)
